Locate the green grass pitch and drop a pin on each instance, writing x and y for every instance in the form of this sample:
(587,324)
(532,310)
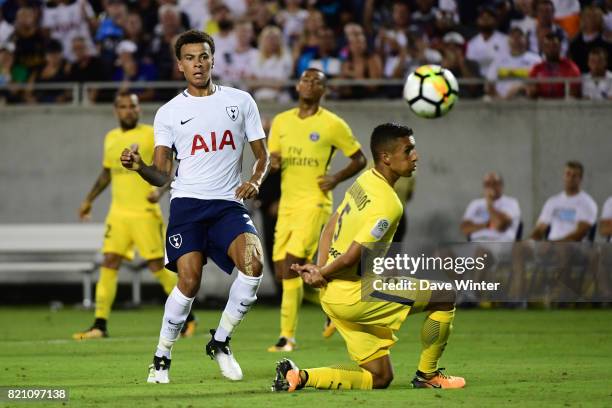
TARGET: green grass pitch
(509,358)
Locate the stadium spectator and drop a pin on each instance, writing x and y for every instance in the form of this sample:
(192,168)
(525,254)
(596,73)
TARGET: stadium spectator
(128,69)
(553,66)
(489,43)
(225,38)
(110,30)
(29,41)
(326,59)
(410,57)
(135,33)
(360,63)
(197,12)
(567,15)
(273,65)
(462,67)
(262,17)
(607,8)
(525,19)
(148,10)
(238,63)
(10,8)
(53,71)
(515,65)
(306,45)
(292,19)
(161,46)
(545,24)
(376,14)
(6,29)
(447,20)
(10,74)
(238,8)
(424,15)
(590,37)
(495,217)
(67,19)
(569,214)
(597,84)
(388,41)
(86,67)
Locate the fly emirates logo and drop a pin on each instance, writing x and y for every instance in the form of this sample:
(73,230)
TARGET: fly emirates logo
(211,142)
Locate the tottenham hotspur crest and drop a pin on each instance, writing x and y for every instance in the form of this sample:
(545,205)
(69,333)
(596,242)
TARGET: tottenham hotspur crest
(232,112)
(175,240)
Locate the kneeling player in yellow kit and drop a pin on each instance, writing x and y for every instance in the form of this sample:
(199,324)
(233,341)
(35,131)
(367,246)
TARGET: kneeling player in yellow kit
(370,213)
(134,217)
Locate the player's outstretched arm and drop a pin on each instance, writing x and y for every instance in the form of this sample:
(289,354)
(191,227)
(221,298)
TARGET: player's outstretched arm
(357,163)
(158,173)
(99,186)
(250,189)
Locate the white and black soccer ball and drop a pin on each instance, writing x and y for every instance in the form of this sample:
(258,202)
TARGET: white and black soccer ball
(431,91)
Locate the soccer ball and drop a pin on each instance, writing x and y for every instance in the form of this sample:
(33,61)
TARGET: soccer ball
(431,91)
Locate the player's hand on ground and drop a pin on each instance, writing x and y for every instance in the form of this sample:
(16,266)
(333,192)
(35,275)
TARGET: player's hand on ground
(248,189)
(327,183)
(311,274)
(154,196)
(85,211)
(130,158)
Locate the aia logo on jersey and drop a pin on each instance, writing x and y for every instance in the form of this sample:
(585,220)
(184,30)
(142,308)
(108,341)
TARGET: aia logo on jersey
(199,143)
(314,136)
(232,112)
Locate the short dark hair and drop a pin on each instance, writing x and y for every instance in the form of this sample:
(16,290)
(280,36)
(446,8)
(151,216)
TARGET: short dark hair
(318,71)
(123,94)
(385,134)
(599,51)
(193,37)
(576,165)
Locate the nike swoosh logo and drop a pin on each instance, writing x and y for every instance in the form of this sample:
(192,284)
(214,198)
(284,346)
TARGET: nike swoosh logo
(183,122)
(175,324)
(243,305)
(436,385)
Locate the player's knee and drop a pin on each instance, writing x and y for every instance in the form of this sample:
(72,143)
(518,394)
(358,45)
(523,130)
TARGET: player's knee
(111,261)
(188,285)
(382,380)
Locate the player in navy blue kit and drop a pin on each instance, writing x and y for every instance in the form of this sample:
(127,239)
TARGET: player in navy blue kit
(207,125)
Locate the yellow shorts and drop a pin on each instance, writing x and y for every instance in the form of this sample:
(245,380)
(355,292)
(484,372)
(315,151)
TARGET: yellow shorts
(368,328)
(145,232)
(297,233)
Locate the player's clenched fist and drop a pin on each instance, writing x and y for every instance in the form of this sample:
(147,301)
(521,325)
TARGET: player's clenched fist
(130,158)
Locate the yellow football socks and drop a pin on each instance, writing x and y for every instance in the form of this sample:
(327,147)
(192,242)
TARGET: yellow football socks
(434,335)
(106,289)
(340,377)
(293,292)
(167,279)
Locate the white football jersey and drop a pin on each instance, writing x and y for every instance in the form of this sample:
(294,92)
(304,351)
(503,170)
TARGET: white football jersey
(563,213)
(477,213)
(208,135)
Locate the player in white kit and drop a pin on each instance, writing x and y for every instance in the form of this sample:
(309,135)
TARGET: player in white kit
(207,127)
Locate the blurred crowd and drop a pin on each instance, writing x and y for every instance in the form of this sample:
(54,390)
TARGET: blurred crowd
(273,41)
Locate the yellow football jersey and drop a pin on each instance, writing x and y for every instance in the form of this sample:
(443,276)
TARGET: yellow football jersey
(369,212)
(306,147)
(128,190)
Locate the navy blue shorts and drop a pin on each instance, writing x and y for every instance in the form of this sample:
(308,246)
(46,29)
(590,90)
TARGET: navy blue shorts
(207,226)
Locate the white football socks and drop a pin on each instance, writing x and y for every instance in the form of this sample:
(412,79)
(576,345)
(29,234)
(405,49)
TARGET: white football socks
(242,295)
(176,310)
